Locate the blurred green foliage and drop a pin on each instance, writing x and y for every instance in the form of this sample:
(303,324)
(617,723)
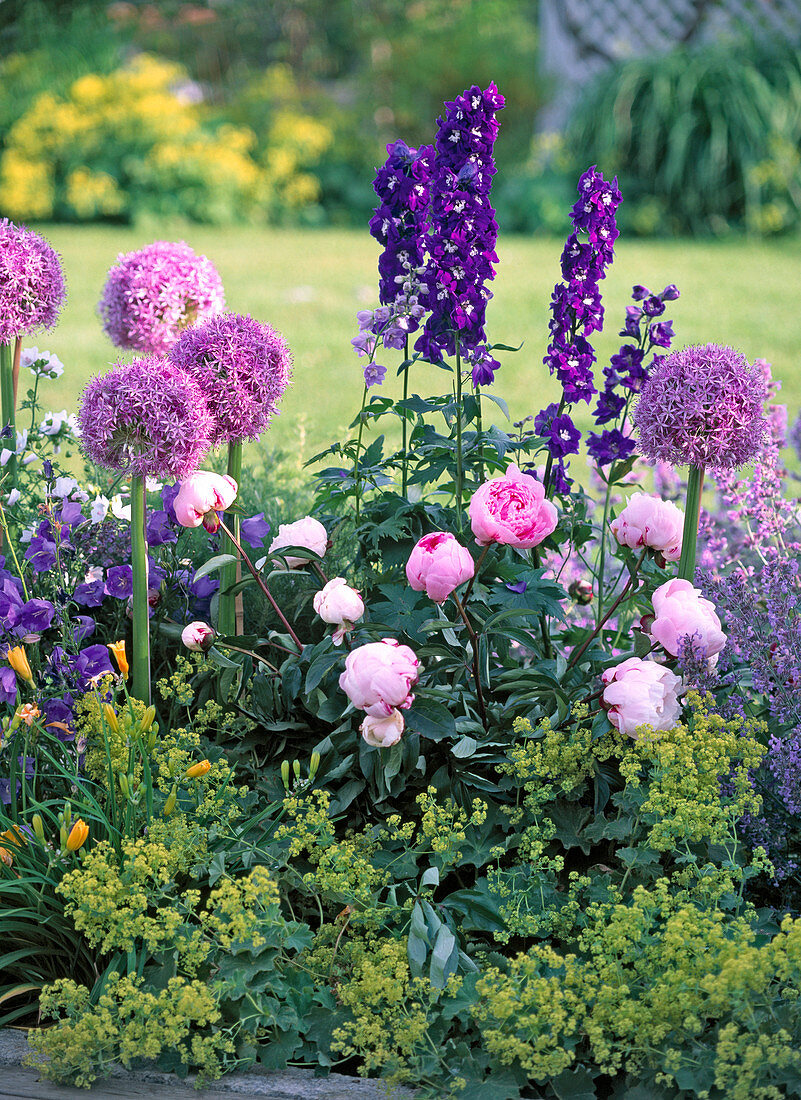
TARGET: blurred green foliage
(703,139)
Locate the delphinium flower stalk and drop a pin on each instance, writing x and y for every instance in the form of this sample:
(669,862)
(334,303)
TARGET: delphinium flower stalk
(153,294)
(242,367)
(624,377)
(146,418)
(398,224)
(701,407)
(576,313)
(32,293)
(461,239)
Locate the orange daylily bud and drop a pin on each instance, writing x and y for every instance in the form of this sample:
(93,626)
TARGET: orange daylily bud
(197,771)
(118,649)
(18,659)
(111,717)
(78,834)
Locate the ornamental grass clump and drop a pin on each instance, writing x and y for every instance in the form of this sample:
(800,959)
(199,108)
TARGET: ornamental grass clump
(145,418)
(242,367)
(153,294)
(32,293)
(703,407)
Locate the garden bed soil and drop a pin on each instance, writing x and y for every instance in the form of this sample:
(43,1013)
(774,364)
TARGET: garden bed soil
(19,1083)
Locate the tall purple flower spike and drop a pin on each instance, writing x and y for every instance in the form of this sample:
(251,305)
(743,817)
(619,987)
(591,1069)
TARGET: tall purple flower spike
(462,233)
(398,223)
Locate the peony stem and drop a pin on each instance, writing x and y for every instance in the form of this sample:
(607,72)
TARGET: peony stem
(476,673)
(257,577)
(227,615)
(141,617)
(8,410)
(692,513)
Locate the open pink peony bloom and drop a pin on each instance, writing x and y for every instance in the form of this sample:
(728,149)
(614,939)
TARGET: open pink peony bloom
(340,604)
(201,496)
(382,733)
(680,610)
(198,636)
(512,510)
(650,521)
(379,676)
(438,564)
(307,532)
(641,693)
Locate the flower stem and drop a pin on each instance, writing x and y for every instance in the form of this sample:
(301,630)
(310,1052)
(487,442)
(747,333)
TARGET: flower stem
(576,654)
(8,410)
(692,512)
(474,640)
(257,577)
(405,426)
(546,481)
(141,618)
(227,616)
(358,485)
(459,467)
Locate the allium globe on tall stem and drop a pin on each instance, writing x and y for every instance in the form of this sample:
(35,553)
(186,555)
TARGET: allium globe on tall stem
(153,294)
(242,366)
(145,418)
(702,407)
(32,293)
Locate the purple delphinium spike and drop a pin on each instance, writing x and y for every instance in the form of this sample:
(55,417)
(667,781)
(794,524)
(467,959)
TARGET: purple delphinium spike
(398,223)
(462,232)
(626,373)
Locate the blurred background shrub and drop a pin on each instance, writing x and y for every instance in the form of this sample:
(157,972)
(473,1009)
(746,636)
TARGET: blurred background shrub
(224,111)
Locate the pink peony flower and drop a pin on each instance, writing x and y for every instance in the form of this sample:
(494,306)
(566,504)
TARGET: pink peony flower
(382,733)
(641,693)
(438,564)
(198,636)
(338,603)
(680,610)
(303,532)
(379,676)
(512,510)
(201,496)
(649,521)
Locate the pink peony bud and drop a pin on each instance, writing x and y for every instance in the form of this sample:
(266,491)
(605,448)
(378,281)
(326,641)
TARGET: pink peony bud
(379,676)
(679,611)
(382,733)
(198,636)
(649,521)
(512,510)
(201,496)
(303,532)
(437,565)
(641,693)
(338,603)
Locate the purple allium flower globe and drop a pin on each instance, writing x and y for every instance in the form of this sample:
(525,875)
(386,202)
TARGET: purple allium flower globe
(147,418)
(153,294)
(31,282)
(702,406)
(242,367)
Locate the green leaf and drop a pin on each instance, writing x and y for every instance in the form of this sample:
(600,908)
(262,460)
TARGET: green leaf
(574,1084)
(444,957)
(464,747)
(431,720)
(217,562)
(429,877)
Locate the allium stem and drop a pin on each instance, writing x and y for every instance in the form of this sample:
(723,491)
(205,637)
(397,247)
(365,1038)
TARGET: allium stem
(692,512)
(228,574)
(141,618)
(15,368)
(8,411)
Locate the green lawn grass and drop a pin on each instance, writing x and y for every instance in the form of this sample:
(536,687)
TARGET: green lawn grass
(310,283)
